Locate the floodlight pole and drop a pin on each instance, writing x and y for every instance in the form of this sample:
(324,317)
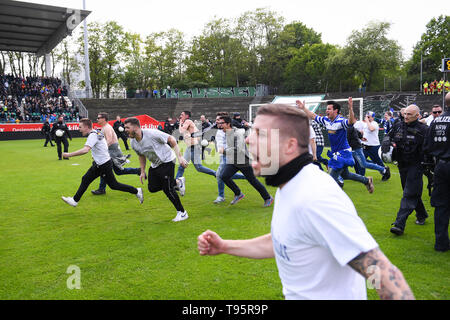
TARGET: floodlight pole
(87,75)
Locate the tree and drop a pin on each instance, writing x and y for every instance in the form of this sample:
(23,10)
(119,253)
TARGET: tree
(165,53)
(113,47)
(307,70)
(258,31)
(372,55)
(433,46)
(66,57)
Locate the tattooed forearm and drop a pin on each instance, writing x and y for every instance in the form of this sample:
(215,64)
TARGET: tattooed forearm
(390,283)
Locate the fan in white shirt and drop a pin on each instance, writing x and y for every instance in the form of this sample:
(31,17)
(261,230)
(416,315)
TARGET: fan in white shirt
(321,246)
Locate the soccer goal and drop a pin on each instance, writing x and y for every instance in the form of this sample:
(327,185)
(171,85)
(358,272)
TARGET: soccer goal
(319,107)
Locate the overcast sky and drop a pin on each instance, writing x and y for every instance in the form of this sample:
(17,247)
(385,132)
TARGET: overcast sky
(334,19)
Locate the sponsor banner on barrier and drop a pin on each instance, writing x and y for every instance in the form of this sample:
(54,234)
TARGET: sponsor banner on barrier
(146,121)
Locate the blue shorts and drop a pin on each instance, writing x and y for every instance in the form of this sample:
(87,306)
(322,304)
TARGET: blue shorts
(340,159)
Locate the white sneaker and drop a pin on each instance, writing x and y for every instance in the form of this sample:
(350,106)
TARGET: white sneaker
(180,216)
(140,195)
(181,184)
(219,200)
(69,201)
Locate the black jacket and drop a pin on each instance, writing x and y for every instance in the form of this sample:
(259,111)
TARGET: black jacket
(408,140)
(61,126)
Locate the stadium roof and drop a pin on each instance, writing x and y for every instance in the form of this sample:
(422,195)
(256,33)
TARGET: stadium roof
(36,28)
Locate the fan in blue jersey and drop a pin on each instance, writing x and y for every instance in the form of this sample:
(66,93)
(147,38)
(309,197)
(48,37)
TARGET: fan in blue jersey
(341,154)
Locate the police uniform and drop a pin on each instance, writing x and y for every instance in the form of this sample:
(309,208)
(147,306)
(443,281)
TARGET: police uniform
(61,126)
(408,152)
(46,132)
(437,144)
(120,134)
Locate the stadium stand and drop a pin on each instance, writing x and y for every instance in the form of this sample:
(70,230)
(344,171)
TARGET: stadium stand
(34,99)
(161,109)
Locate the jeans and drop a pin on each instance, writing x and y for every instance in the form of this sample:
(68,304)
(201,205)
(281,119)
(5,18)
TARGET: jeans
(194,154)
(347,175)
(360,159)
(372,153)
(220,183)
(119,172)
(230,169)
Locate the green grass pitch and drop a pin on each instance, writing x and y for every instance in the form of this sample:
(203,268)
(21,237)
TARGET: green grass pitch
(125,250)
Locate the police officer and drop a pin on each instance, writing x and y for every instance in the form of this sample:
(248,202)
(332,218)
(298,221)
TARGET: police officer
(437,144)
(121,133)
(60,125)
(46,132)
(407,138)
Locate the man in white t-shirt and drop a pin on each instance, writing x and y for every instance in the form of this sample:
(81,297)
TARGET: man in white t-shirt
(321,246)
(101,166)
(114,151)
(371,140)
(156,146)
(436,111)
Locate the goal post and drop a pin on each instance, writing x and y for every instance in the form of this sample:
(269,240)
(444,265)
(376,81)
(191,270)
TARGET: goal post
(314,106)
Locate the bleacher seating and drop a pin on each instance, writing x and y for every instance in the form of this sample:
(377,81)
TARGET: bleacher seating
(161,109)
(34,99)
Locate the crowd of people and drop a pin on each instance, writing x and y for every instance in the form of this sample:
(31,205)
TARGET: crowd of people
(315,230)
(34,99)
(436,87)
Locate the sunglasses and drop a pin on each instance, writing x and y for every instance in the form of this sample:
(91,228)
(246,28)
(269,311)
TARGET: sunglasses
(437,112)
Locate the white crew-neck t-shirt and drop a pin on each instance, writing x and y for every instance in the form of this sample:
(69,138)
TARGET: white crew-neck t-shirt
(154,147)
(316,232)
(99,148)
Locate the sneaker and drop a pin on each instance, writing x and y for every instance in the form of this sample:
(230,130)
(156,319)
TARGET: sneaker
(237,199)
(420,222)
(386,174)
(140,195)
(369,185)
(98,192)
(181,184)
(219,200)
(180,216)
(396,230)
(69,201)
(268,202)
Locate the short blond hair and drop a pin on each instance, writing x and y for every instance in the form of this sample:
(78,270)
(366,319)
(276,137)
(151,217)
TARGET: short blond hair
(291,121)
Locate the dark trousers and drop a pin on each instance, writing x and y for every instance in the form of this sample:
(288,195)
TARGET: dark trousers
(411,176)
(440,200)
(162,178)
(64,141)
(229,170)
(372,153)
(119,172)
(48,138)
(105,171)
(124,139)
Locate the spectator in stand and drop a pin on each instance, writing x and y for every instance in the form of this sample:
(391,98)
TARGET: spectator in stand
(425,88)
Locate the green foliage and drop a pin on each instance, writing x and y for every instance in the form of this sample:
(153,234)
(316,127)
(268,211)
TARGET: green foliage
(433,46)
(372,55)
